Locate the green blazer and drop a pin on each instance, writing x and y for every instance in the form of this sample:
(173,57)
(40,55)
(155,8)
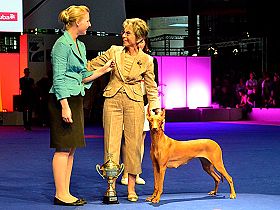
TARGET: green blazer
(69,67)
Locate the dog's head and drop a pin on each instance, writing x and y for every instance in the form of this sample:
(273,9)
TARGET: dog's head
(156,121)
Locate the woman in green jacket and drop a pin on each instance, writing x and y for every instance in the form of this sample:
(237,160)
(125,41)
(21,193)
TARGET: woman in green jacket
(70,78)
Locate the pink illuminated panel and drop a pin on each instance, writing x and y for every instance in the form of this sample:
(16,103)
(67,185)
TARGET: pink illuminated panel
(198,82)
(184,81)
(160,84)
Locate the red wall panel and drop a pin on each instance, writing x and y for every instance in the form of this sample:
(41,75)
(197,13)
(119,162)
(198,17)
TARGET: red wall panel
(9,78)
(11,69)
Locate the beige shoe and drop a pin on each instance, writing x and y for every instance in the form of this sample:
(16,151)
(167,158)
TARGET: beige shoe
(139,180)
(133,197)
(124,181)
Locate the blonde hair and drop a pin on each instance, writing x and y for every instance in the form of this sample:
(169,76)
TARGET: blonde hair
(71,14)
(139,27)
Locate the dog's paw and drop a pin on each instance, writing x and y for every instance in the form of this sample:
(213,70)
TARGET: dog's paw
(155,200)
(213,192)
(149,199)
(232,196)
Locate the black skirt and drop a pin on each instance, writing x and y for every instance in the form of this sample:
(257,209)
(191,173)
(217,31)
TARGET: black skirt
(66,135)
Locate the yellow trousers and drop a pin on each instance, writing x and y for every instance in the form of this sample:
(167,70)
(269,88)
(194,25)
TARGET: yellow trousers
(122,115)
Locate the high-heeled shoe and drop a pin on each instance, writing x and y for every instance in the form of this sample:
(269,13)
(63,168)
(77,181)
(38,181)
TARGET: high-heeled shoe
(124,181)
(132,197)
(78,202)
(83,200)
(139,180)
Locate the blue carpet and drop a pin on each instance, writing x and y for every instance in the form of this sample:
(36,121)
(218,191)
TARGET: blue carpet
(251,155)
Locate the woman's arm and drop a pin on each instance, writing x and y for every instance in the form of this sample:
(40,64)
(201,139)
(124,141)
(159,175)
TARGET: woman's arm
(60,53)
(99,72)
(151,86)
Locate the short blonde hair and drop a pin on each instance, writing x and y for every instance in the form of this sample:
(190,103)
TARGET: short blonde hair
(139,27)
(71,14)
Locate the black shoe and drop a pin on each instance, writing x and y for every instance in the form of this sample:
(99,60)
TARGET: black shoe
(82,200)
(78,202)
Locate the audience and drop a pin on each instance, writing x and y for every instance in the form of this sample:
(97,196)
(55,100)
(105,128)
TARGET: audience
(266,90)
(251,84)
(245,103)
(275,93)
(261,92)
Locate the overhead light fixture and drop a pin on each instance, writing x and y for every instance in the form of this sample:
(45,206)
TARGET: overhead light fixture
(179,25)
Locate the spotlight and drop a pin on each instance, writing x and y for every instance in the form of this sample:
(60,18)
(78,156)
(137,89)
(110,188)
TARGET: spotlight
(235,51)
(212,51)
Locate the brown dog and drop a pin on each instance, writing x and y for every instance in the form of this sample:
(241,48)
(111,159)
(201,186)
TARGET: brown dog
(168,153)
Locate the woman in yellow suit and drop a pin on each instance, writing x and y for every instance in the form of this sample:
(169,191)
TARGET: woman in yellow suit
(144,46)
(123,110)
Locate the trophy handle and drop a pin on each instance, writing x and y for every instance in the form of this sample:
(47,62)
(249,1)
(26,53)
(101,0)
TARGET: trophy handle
(121,169)
(98,170)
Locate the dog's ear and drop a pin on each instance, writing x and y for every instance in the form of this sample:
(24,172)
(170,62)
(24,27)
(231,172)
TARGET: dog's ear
(148,111)
(163,125)
(148,116)
(163,112)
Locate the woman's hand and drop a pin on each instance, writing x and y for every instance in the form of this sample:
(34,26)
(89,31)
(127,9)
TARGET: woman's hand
(99,72)
(109,65)
(157,111)
(67,115)
(89,66)
(66,111)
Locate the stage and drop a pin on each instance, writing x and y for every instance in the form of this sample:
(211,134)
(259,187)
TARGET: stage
(251,154)
(172,115)
(184,115)
(203,114)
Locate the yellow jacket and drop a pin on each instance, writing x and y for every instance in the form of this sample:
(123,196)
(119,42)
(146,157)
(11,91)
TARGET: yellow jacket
(142,69)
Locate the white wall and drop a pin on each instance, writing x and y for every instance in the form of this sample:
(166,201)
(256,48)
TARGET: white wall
(39,47)
(161,25)
(106,15)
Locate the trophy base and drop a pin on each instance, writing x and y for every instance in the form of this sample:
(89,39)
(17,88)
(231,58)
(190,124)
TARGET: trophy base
(110,200)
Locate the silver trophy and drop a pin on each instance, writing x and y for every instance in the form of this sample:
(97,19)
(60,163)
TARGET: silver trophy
(111,171)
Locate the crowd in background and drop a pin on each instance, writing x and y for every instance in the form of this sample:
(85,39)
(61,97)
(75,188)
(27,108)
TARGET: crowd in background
(255,92)
(262,92)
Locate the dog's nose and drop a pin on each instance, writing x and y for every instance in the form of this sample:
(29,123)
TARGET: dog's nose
(155,128)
